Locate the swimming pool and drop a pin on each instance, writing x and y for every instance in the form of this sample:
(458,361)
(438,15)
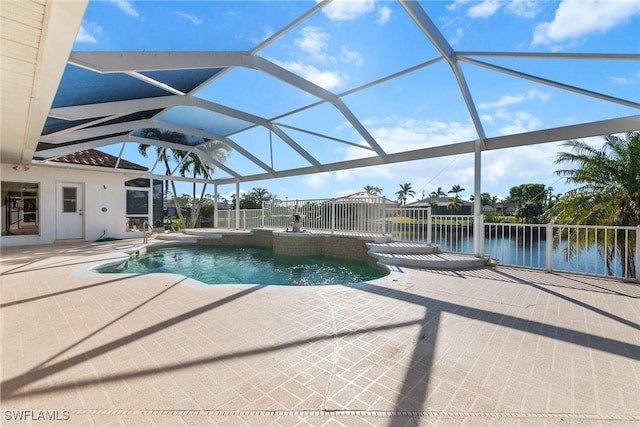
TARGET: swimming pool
(250,265)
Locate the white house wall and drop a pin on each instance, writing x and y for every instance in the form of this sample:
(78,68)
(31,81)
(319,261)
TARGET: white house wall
(101,190)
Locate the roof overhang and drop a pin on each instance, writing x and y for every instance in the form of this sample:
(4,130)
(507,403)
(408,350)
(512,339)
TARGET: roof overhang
(36,40)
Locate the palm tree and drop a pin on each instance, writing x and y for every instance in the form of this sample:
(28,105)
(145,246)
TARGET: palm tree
(456,189)
(438,193)
(373,191)
(486,199)
(405,190)
(609,188)
(455,203)
(164,156)
(191,162)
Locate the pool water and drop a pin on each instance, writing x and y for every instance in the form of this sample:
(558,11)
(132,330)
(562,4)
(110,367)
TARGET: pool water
(250,265)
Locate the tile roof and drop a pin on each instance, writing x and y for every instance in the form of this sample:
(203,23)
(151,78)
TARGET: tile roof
(92,157)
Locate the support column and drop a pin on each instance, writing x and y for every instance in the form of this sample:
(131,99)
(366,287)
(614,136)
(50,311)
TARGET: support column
(215,205)
(237,204)
(478,223)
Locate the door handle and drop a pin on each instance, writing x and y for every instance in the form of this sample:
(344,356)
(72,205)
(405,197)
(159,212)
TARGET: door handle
(80,212)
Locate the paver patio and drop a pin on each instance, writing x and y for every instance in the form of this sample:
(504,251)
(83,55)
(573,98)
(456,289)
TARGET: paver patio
(492,346)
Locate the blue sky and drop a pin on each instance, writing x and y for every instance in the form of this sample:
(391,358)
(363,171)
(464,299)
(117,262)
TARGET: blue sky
(351,43)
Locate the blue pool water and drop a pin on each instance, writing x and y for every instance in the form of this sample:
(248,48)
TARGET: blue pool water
(251,265)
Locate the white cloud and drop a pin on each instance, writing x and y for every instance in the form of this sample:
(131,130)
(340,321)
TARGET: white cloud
(520,122)
(486,118)
(456,38)
(396,134)
(507,100)
(268,32)
(84,36)
(348,10)
(193,18)
(625,81)
(313,42)
(326,79)
(520,165)
(410,134)
(485,9)
(501,169)
(456,4)
(318,181)
(523,8)
(384,15)
(351,56)
(575,19)
(126,7)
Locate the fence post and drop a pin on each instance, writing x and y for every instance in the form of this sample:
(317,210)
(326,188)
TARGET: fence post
(333,215)
(215,206)
(549,246)
(384,215)
(237,204)
(638,254)
(429,225)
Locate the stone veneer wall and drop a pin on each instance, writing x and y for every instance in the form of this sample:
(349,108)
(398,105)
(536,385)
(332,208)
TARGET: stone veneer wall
(306,244)
(302,244)
(262,238)
(228,240)
(345,247)
(297,244)
(256,237)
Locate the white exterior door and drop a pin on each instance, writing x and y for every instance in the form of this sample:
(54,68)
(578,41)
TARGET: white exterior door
(69,211)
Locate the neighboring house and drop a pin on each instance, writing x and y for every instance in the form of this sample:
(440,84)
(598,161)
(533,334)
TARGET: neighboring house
(363,197)
(441,206)
(506,208)
(79,196)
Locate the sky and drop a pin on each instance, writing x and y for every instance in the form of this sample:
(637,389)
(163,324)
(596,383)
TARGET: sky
(351,43)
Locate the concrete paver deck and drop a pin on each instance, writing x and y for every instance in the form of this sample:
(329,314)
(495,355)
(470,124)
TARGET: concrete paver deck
(491,346)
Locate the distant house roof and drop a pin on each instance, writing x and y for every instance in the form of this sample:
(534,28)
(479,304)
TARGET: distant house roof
(93,157)
(436,201)
(364,197)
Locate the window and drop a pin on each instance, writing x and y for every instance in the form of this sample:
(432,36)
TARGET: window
(137,202)
(20,208)
(143,201)
(69,199)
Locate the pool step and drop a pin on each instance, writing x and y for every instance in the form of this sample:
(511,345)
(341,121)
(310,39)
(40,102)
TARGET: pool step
(213,233)
(422,255)
(444,261)
(176,237)
(403,248)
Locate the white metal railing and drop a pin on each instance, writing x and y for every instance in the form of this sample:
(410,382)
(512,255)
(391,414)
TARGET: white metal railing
(248,218)
(454,233)
(597,250)
(147,231)
(362,214)
(584,249)
(592,250)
